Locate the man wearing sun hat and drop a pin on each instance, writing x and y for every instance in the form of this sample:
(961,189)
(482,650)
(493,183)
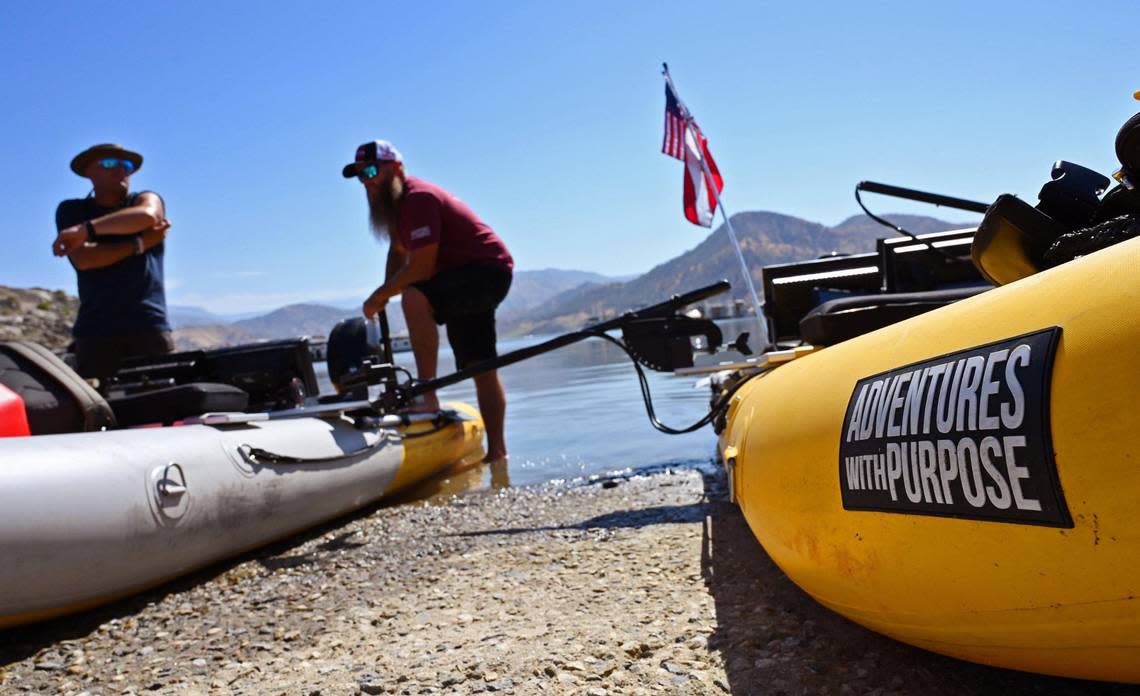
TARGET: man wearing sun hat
(114,239)
(448,266)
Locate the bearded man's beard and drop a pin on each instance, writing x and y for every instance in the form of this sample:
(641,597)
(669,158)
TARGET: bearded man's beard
(384,206)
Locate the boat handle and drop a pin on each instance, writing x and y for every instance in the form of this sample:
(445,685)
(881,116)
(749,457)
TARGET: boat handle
(168,487)
(730,453)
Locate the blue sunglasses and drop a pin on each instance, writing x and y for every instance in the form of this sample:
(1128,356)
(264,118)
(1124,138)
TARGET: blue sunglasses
(111,163)
(369,172)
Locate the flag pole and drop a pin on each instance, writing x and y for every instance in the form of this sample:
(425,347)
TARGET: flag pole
(736,246)
(756,305)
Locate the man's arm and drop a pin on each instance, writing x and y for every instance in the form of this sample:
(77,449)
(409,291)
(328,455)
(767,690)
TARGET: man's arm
(147,212)
(418,265)
(416,243)
(395,260)
(108,253)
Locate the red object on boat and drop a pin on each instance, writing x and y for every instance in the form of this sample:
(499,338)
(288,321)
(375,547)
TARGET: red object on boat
(13,417)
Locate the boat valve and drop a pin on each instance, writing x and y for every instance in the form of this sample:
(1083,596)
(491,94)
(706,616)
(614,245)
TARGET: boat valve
(168,487)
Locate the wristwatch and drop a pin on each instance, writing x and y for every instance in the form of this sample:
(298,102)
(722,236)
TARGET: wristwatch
(139,248)
(90,227)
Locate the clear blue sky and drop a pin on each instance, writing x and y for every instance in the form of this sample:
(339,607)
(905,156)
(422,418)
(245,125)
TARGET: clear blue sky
(546,117)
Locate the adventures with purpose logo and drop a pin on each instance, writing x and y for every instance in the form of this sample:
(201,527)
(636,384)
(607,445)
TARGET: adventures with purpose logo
(961,435)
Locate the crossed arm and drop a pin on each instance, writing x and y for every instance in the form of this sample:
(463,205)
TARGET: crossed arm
(107,253)
(147,218)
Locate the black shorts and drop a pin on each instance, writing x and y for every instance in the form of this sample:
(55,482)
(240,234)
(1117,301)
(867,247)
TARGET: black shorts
(464,300)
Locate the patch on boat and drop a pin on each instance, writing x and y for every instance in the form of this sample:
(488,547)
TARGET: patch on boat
(962,435)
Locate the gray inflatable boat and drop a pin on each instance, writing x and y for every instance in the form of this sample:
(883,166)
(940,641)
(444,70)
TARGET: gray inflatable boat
(106,511)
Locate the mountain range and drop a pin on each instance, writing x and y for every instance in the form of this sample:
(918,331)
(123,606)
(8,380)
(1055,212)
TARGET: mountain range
(540,302)
(286,322)
(198,328)
(765,238)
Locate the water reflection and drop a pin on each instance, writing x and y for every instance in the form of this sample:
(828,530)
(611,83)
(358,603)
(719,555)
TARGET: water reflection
(461,477)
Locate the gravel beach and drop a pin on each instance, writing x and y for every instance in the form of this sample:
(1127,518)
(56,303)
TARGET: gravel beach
(643,584)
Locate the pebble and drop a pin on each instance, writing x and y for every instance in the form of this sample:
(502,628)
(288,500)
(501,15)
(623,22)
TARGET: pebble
(372,684)
(48,666)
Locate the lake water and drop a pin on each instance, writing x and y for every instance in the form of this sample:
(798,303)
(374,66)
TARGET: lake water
(578,411)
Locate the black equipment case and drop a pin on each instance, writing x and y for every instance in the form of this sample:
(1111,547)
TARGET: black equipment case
(275,374)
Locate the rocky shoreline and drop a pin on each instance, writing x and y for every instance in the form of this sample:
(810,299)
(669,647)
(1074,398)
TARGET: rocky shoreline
(640,584)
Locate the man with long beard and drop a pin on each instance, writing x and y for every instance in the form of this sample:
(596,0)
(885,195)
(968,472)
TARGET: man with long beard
(449,268)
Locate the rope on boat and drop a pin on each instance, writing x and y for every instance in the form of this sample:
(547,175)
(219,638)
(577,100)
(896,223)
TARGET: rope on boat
(257,455)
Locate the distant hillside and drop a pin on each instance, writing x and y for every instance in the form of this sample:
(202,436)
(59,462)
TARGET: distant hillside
(210,336)
(287,322)
(182,316)
(36,314)
(765,238)
(530,289)
(295,320)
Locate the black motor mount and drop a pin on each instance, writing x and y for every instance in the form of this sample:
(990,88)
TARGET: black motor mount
(665,344)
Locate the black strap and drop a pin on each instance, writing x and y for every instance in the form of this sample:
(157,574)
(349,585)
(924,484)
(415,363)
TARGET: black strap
(256,455)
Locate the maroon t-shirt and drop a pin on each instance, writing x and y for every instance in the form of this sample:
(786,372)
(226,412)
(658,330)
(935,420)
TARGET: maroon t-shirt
(430,215)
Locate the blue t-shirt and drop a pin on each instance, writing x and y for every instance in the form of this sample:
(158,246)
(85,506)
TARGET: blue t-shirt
(124,298)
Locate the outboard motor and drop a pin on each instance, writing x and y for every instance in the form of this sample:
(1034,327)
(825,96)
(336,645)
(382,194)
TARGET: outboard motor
(350,344)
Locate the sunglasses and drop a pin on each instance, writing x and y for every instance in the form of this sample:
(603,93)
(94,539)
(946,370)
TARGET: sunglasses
(373,170)
(111,163)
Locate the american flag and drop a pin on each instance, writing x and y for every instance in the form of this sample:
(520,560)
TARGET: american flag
(676,115)
(684,141)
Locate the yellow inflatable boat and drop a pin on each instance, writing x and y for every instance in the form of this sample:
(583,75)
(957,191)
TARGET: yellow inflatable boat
(965,480)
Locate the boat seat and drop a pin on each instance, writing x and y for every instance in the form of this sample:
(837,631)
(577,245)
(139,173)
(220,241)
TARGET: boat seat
(56,399)
(170,404)
(848,317)
(1012,240)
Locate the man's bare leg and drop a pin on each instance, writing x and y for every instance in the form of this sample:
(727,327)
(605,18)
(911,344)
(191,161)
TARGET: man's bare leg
(493,406)
(424,335)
